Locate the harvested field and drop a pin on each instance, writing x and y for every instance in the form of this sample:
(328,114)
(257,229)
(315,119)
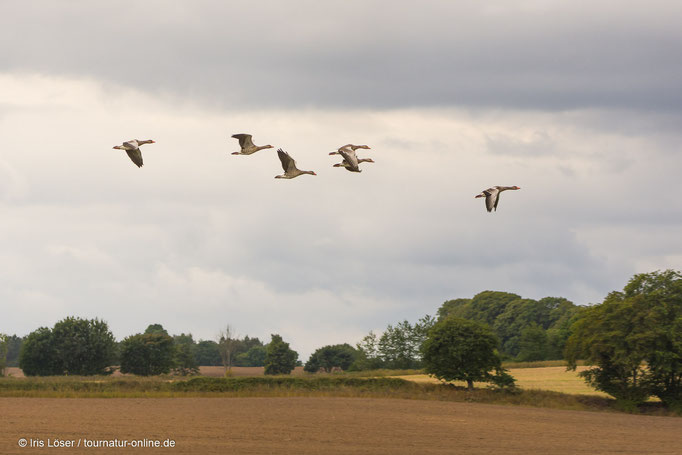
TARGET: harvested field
(556,379)
(334,425)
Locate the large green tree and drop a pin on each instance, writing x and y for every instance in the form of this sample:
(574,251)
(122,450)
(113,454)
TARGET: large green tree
(633,340)
(509,315)
(3,353)
(458,349)
(147,354)
(329,357)
(185,355)
(74,346)
(208,353)
(38,354)
(279,357)
(83,346)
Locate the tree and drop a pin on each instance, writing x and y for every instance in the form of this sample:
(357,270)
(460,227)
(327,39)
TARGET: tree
(329,357)
(147,354)
(464,350)
(83,346)
(227,345)
(38,356)
(279,358)
(14,343)
(156,328)
(532,344)
(368,357)
(3,353)
(633,340)
(74,346)
(208,353)
(254,357)
(185,355)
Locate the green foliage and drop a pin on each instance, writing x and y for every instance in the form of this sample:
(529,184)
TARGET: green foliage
(367,357)
(634,339)
(458,349)
(397,348)
(3,353)
(254,357)
(147,354)
(156,328)
(38,355)
(185,355)
(13,349)
(241,355)
(509,315)
(279,358)
(207,353)
(74,346)
(83,346)
(533,344)
(329,357)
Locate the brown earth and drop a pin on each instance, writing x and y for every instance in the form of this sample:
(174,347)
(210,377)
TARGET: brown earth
(331,426)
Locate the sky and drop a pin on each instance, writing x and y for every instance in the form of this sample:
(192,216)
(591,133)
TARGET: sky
(578,103)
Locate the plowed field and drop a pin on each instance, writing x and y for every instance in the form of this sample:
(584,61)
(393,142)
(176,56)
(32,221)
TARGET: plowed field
(329,426)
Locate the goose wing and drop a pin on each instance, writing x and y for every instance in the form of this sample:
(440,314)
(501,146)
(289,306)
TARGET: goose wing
(244,140)
(492,196)
(288,163)
(131,144)
(350,157)
(136,156)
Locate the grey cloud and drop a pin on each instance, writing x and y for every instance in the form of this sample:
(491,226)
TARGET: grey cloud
(373,54)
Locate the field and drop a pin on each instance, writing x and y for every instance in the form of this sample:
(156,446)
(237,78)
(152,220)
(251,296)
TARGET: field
(335,413)
(303,425)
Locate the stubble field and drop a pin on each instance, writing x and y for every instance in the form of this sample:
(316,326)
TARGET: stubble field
(302,425)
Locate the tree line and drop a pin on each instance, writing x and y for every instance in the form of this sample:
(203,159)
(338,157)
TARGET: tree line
(632,342)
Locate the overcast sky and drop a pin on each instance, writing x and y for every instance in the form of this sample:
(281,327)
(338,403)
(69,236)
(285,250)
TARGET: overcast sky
(578,103)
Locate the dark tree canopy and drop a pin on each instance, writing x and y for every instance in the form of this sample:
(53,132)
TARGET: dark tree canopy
(185,355)
(279,358)
(155,328)
(74,346)
(329,357)
(147,354)
(634,341)
(207,353)
(510,315)
(458,349)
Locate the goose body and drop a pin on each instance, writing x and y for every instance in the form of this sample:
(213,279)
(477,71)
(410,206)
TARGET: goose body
(132,148)
(345,163)
(350,159)
(492,196)
(247,145)
(289,166)
(349,146)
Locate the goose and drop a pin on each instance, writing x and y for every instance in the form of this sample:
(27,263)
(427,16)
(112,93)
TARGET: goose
(492,196)
(132,148)
(345,164)
(247,145)
(289,166)
(350,146)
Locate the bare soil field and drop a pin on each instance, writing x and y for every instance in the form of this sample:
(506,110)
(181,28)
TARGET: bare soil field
(331,426)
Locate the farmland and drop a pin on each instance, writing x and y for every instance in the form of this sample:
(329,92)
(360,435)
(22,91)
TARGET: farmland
(305,425)
(334,413)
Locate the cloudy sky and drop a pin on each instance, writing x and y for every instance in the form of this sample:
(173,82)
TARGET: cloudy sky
(578,103)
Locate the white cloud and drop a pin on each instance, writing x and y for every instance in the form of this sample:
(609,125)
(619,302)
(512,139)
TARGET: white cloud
(199,238)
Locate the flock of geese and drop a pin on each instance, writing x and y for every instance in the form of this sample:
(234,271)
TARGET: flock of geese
(350,162)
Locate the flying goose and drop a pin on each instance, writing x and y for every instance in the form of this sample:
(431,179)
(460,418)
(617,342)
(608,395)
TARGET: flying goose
(289,166)
(132,148)
(247,145)
(345,164)
(350,146)
(492,196)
